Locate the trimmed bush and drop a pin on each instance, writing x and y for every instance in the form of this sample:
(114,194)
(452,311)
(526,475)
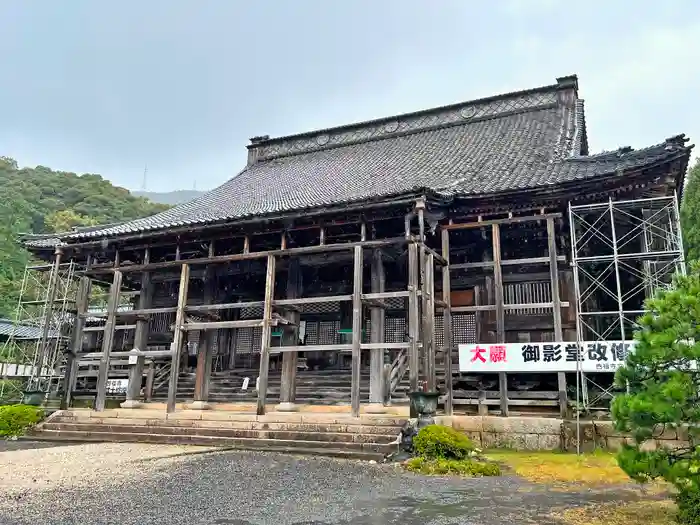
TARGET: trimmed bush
(16,419)
(460,467)
(437,441)
(688,501)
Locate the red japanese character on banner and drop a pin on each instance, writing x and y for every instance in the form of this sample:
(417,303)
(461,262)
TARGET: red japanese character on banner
(478,354)
(497,353)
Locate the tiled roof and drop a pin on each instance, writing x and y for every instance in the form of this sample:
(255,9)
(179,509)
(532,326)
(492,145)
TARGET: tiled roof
(9,328)
(524,140)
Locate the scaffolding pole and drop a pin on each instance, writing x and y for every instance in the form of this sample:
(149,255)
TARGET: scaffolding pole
(622,253)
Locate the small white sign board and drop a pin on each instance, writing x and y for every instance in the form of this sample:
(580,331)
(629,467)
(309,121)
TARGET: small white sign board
(593,356)
(117,386)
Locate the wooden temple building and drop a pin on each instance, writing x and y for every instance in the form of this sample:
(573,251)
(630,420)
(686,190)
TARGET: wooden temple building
(363,254)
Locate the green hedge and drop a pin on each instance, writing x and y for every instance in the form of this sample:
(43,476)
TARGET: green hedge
(460,467)
(437,441)
(688,501)
(16,419)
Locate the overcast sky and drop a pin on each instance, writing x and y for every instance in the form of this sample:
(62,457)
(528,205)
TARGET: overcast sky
(181,85)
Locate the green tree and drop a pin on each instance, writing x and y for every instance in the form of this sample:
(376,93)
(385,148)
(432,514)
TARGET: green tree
(663,385)
(40,200)
(690,213)
(66,220)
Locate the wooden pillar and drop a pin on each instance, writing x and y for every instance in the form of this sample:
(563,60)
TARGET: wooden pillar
(447,321)
(290,337)
(107,339)
(422,264)
(356,330)
(429,316)
(556,310)
(413,316)
(231,338)
(500,311)
(377,316)
(178,336)
(205,347)
(81,303)
(266,333)
(133,391)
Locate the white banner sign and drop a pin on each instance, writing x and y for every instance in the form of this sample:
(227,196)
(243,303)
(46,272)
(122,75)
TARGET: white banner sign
(594,356)
(117,386)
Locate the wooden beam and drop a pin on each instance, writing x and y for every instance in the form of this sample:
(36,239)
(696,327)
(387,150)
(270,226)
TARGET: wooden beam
(291,337)
(447,322)
(204,345)
(413,316)
(312,300)
(266,332)
(178,336)
(511,306)
(145,299)
(430,322)
(500,312)
(556,311)
(377,314)
(508,262)
(219,259)
(107,340)
(356,330)
(224,306)
(219,325)
(511,220)
(81,304)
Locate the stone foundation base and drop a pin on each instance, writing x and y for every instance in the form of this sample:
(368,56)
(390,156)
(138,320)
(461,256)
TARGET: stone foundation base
(198,405)
(131,403)
(375,408)
(286,407)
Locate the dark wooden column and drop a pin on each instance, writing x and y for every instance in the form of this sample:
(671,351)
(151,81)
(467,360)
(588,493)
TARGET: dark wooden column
(356,330)
(500,311)
(447,321)
(107,339)
(556,311)
(377,316)
(145,300)
(266,333)
(413,316)
(290,337)
(81,303)
(205,348)
(429,321)
(178,336)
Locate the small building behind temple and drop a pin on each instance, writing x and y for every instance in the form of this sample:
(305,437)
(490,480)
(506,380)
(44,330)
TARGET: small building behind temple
(350,265)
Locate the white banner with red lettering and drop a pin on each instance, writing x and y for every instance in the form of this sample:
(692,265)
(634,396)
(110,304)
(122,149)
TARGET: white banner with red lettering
(594,356)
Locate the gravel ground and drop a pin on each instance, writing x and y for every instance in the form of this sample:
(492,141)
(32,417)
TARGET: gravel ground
(119,484)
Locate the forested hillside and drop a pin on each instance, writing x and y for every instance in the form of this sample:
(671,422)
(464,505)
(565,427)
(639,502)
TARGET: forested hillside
(40,200)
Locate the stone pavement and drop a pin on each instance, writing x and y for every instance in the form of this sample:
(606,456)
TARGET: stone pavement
(120,484)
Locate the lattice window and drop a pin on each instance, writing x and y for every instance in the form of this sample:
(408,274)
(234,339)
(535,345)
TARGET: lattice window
(395,330)
(253,312)
(528,292)
(244,340)
(464,329)
(311,332)
(328,332)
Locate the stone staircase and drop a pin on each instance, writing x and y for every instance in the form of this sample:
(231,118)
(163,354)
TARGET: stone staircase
(320,387)
(368,437)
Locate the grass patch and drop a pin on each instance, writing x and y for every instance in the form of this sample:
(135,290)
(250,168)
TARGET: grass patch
(638,512)
(458,467)
(599,468)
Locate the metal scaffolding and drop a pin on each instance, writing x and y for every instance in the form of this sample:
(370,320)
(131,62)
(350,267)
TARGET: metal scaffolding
(622,253)
(42,326)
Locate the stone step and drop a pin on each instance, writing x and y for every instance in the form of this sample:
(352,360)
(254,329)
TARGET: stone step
(283,435)
(363,451)
(378,430)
